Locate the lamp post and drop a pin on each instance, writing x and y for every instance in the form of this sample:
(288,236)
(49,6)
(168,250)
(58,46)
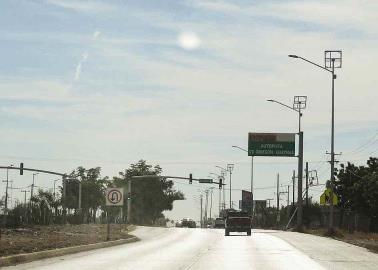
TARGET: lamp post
(220,193)
(223,173)
(242,149)
(230,167)
(332,60)
(298,105)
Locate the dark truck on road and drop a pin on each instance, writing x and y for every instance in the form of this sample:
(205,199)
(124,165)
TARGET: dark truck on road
(237,221)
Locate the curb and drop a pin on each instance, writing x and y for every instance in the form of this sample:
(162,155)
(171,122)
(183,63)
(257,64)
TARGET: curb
(28,257)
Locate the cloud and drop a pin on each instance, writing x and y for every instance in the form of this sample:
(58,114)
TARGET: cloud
(82,6)
(84,58)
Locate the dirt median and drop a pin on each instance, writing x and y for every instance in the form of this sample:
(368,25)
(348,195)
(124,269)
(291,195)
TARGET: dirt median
(41,238)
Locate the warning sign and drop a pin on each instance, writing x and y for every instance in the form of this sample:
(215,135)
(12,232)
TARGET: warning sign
(325,198)
(114,196)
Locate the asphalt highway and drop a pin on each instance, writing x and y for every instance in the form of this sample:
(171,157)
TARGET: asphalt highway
(182,248)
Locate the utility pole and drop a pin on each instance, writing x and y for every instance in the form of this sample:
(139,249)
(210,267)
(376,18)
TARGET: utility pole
(64,183)
(32,186)
(79,204)
(54,188)
(201,212)
(206,206)
(211,200)
(300,178)
(6,196)
(25,191)
(293,187)
(220,201)
(288,202)
(306,183)
(278,197)
(230,167)
(288,196)
(129,202)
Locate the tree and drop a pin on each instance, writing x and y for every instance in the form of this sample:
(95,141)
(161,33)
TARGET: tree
(150,196)
(357,187)
(92,192)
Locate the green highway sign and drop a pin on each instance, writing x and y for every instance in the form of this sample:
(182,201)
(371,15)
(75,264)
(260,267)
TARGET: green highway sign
(208,181)
(271,144)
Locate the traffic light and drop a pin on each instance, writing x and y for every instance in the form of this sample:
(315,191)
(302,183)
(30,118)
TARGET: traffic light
(21,168)
(220,182)
(190,178)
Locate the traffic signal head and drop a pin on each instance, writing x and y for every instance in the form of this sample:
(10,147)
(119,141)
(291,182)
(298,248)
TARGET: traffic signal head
(220,182)
(21,168)
(190,178)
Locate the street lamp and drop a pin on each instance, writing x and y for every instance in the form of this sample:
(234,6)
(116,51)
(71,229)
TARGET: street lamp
(332,60)
(220,192)
(299,104)
(245,150)
(223,174)
(230,167)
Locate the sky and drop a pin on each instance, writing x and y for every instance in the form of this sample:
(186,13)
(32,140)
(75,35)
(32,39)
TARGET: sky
(177,83)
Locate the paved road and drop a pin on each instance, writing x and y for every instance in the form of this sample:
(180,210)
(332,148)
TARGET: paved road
(180,248)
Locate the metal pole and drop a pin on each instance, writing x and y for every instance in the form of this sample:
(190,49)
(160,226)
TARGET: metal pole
(306,183)
(220,201)
(252,185)
(288,202)
(201,225)
(32,187)
(224,195)
(79,203)
(6,196)
(108,225)
(206,206)
(211,201)
(332,147)
(278,197)
(129,202)
(300,175)
(230,190)
(64,183)
(293,187)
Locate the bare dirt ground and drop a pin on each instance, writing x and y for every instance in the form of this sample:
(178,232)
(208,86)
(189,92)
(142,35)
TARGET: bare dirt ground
(38,238)
(366,240)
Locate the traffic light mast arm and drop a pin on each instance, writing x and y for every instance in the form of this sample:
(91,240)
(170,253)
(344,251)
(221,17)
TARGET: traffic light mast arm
(32,170)
(203,180)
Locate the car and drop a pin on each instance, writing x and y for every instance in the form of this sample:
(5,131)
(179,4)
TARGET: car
(189,223)
(219,223)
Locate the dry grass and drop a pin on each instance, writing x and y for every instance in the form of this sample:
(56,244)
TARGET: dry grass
(366,240)
(38,238)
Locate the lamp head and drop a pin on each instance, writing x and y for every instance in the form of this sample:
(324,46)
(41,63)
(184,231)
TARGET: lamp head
(293,56)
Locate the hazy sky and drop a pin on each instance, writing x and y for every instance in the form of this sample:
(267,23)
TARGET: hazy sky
(106,83)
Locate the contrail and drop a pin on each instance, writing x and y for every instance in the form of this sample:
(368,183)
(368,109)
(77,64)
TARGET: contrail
(84,58)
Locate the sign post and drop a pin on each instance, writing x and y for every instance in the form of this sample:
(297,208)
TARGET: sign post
(113,197)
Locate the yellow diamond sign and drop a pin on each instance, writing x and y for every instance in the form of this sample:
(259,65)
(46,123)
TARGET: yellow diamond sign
(325,198)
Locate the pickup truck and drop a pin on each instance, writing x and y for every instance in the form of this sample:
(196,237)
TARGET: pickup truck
(238,221)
